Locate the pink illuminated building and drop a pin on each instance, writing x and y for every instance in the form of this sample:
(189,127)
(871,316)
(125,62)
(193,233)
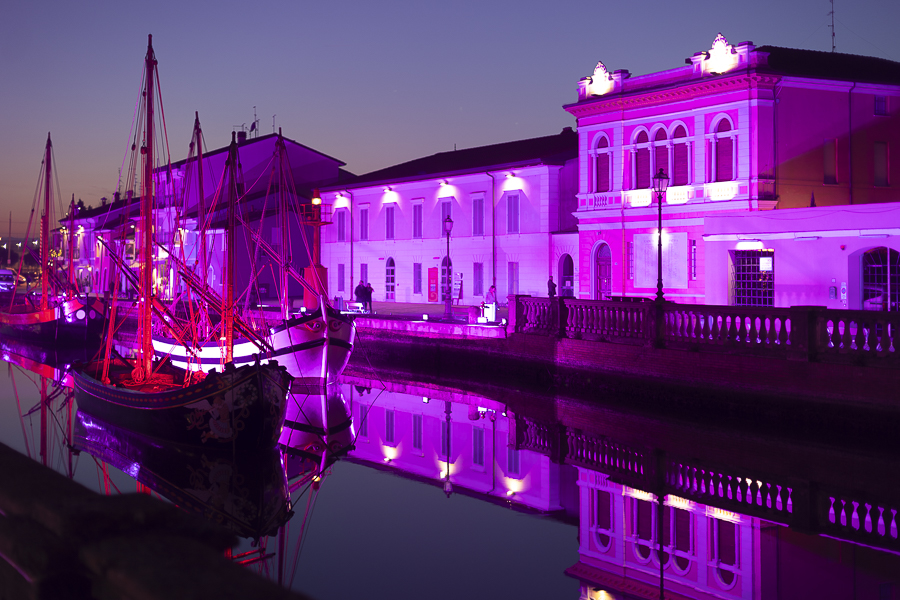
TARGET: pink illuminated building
(737,130)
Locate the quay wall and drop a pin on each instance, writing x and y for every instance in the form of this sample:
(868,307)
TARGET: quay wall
(59,540)
(451,352)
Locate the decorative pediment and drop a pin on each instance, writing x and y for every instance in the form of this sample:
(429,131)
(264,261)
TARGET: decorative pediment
(722,57)
(601,81)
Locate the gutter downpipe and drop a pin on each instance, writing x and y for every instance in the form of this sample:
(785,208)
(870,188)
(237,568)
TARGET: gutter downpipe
(350,194)
(850,139)
(493,229)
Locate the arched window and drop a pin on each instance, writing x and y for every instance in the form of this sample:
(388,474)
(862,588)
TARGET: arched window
(567,276)
(642,161)
(660,152)
(446,281)
(680,153)
(881,279)
(601,166)
(724,151)
(602,273)
(390,281)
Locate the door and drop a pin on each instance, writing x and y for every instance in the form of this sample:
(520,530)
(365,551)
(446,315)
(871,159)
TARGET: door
(603,273)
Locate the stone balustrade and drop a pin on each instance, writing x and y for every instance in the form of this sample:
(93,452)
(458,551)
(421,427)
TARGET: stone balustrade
(811,333)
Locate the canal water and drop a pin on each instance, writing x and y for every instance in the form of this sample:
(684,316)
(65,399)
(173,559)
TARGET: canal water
(461,492)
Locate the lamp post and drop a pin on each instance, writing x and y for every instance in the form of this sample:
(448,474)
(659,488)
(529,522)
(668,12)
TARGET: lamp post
(660,182)
(448,487)
(448,310)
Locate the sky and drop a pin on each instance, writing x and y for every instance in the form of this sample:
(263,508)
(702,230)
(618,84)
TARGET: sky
(369,83)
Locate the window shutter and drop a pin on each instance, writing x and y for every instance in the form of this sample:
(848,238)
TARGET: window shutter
(644,520)
(643,169)
(662,159)
(604,514)
(727,553)
(603,172)
(681,164)
(724,148)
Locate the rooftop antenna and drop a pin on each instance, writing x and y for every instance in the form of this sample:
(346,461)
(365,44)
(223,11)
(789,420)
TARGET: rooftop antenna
(832,25)
(273,123)
(254,127)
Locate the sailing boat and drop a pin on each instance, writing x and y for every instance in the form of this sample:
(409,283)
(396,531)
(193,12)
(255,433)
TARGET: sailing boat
(241,408)
(315,346)
(54,318)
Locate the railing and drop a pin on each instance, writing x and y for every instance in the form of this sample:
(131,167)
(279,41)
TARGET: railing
(806,505)
(859,332)
(800,332)
(763,330)
(715,487)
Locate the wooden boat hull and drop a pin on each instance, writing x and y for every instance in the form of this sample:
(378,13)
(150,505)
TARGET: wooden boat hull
(314,349)
(247,494)
(242,408)
(72,322)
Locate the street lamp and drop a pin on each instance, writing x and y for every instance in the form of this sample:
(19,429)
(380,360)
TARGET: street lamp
(660,182)
(448,487)
(448,300)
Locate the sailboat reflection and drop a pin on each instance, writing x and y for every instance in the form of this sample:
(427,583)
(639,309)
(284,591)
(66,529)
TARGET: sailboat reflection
(248,496)
(317,432)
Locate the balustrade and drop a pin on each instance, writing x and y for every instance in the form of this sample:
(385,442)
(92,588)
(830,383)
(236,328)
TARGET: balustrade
(799,332)
(605,455)
(853,517)
(731,327)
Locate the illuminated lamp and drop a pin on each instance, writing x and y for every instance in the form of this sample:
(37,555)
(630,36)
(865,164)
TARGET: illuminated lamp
(660,183)
(316,200)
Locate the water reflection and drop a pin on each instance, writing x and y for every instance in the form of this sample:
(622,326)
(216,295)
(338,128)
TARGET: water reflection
(247,495)
(742,516)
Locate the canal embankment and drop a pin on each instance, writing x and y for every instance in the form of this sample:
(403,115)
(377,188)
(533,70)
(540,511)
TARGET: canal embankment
(59,540)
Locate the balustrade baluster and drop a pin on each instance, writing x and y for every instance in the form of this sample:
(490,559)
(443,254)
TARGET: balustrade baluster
(753,333)
(778,504)
(880,525)
(867,522)
(854,516)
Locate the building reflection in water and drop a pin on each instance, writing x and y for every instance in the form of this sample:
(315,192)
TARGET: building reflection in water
(781,535)
(708,551)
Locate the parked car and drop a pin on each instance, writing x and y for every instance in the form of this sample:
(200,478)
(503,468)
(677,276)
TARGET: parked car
(7,280)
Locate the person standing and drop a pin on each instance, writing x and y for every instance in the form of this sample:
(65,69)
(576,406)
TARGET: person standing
(551,287)
(369,292)
(360,293)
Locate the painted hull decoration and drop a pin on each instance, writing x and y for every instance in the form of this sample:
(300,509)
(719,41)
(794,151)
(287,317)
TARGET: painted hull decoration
(313,348)
(247,495)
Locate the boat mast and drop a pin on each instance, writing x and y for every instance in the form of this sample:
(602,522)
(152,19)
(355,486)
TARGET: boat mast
(201,220)
(146,247)
(71,291)
(228,296)
(283,211)
(45,227)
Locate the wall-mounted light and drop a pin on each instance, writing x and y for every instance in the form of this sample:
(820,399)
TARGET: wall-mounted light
(425,399)
(444,182)
(510,175)
(387,188)
(510,493)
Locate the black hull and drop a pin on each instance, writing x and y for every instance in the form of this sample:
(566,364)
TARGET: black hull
(241,409)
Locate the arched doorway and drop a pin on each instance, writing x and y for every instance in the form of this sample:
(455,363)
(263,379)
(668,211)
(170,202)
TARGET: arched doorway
(881,279)
(602,273)
(566,276)
(390,280)
(446,275)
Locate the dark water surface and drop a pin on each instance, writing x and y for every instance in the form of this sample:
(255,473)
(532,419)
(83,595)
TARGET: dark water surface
(548,497)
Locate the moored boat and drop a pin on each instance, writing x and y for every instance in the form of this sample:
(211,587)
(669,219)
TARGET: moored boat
(58,317)
(238,407)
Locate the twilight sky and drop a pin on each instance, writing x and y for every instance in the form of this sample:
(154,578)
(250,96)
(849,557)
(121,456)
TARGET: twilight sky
(369,83)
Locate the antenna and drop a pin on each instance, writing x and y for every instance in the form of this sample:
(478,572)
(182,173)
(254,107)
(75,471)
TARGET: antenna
(273,123)
(832,25)
(255,125)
